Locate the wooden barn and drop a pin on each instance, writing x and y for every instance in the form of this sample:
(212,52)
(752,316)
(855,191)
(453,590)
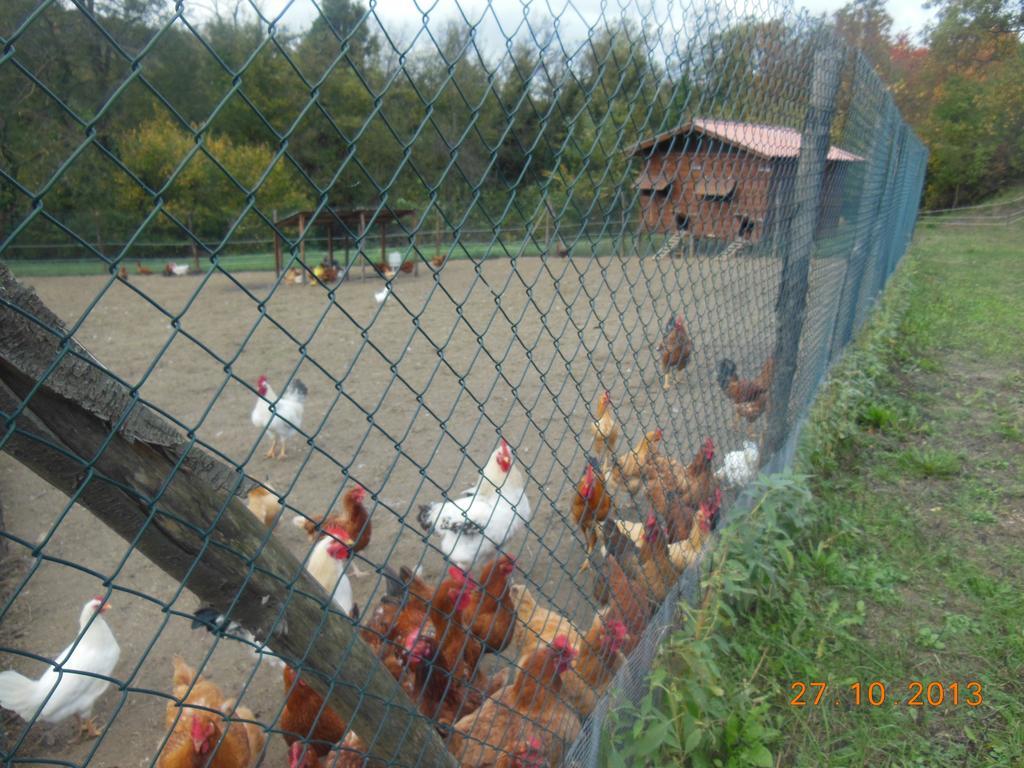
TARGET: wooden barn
(723,179)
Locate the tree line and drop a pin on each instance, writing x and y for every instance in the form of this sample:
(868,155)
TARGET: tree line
(961,88)
(126,124)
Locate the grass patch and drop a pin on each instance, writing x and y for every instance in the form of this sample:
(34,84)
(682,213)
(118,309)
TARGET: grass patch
(928,462)
(263,261)
(896,558)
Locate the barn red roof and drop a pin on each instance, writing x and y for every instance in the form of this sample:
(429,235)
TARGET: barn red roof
(768,141)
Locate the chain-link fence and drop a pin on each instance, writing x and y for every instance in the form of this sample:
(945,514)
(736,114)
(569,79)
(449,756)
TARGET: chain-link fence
(303,274)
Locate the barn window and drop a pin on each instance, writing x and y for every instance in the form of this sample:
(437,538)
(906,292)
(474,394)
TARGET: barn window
(720,190)
(659,186)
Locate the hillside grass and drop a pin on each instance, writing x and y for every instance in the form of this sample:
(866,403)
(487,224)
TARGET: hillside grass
(896,556)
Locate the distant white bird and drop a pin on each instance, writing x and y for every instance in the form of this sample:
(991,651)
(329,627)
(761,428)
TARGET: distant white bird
(172,269)
(740,467)
(288,412)
(381,295)
(69,691)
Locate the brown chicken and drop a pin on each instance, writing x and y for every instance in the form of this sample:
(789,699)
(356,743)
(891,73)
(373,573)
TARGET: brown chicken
(407,267)
(600,657)
(659,573)
(294,276)
(353,518)
(629,467)
(674,349)
(749,396)
(438,261)
(489,611)
(628,602)
(384,270)
(303,756)
(446,605)
(142,270)
(123,273)
(305,718)
(416,632)
(605,431)
(685,553)
(675,491)
(538,626)
(529,753)
(351,754)
(530,707)
(214,735)
(618,544)
(590,506)
(262,502)
(324,272)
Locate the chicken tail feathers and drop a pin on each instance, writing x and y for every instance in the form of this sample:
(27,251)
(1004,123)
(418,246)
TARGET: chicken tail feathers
(425,517)
(18,693)
(296,390)
(214,622)
(396,587)
(219,625)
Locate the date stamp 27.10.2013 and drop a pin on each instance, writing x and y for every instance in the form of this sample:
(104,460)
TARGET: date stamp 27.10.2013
(916,693)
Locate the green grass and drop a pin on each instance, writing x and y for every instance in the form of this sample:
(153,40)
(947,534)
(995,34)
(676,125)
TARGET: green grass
(898,557)
(264,261)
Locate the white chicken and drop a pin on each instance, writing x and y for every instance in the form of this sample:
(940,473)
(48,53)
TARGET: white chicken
(172,269)
(476,525)
(740,467)
(327,566)
(288,412)
(382,294)
(70,692)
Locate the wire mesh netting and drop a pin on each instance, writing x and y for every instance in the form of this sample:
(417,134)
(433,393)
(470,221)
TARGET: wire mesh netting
(408,358)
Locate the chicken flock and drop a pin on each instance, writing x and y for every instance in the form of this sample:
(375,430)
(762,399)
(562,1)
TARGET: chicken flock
(506,680)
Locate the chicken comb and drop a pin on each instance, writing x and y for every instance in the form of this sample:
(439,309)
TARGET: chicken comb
(617,628)
(561,643)
(454,572)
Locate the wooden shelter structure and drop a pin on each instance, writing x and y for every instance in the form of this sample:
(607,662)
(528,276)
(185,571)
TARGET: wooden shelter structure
(724,179)
(339,224)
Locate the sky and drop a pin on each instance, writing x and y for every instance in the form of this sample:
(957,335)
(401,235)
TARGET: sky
(404,17)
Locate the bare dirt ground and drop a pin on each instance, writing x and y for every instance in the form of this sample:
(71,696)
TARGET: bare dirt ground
(394,390)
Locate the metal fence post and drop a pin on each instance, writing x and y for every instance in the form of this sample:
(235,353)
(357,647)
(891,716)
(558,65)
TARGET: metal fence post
(792,301)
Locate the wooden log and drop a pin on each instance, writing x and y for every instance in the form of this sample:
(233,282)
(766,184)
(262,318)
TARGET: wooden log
(791,306)
(87,434)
